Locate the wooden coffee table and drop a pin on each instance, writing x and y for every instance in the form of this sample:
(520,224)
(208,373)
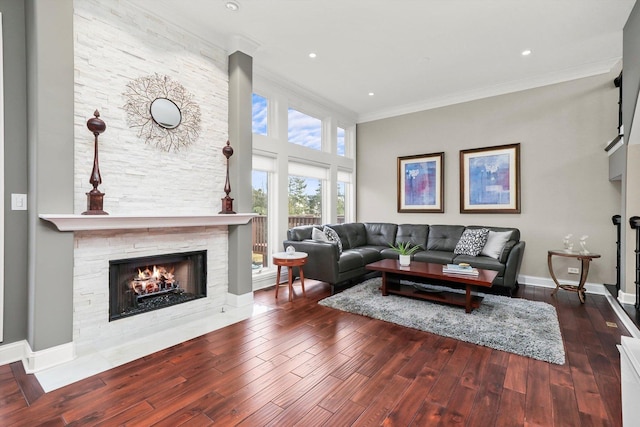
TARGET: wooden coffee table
(424,272)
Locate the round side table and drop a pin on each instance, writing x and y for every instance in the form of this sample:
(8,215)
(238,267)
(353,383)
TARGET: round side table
(290,260)
(585,259)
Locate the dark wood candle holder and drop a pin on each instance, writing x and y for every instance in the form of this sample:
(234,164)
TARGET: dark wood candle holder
(227,202)
(95,197)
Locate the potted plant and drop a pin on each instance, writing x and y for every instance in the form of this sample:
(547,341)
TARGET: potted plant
(405,250)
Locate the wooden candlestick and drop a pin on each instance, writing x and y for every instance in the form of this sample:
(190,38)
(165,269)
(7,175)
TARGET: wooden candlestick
(95,197)
(227,202)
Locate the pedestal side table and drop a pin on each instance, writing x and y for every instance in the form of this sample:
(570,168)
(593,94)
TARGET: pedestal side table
(290,260)
(585,259)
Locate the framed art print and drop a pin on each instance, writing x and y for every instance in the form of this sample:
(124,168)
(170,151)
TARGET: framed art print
(421,183)
(490,179)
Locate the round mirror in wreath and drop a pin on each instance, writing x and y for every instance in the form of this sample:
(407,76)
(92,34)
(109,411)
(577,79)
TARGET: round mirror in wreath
(165,113)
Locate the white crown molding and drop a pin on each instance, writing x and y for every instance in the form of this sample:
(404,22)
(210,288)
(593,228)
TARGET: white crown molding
(574,73)
(242,44)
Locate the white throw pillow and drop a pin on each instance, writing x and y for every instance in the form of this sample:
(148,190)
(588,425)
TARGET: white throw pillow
(332,236)
(495,243)
(318,235)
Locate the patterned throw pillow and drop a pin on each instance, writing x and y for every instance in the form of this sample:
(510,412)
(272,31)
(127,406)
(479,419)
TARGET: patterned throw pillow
(472,241)
(333,237)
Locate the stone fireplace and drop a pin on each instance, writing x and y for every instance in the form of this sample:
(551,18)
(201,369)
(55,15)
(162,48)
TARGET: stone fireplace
(98,255)
(139,285)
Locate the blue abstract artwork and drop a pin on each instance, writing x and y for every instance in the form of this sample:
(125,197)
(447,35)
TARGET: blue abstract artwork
(420,183)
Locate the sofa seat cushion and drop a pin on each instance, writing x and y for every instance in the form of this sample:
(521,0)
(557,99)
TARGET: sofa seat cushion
(388,253)
(481,261)
(369,253)
(437,257)
(350,260)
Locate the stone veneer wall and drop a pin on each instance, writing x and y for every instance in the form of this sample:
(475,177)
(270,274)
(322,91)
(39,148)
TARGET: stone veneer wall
(115,43)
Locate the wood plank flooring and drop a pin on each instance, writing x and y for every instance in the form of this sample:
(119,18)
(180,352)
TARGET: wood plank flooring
(308,365)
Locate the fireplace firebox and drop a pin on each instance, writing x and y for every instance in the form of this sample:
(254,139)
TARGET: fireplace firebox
(139,285)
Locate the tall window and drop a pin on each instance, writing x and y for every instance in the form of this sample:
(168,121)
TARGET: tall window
(304,130)
(295,156)
(340,202)
(341,150)
(343,200)
(262,170)
(259,115)
(306,194)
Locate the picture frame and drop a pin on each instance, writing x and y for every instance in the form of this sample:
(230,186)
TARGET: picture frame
(490,179)
(421,183)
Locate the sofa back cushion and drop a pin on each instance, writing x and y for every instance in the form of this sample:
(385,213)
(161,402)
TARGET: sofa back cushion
(444,237)
(380,233)
(515,233)
(352,234)
(416,234)
(302,232)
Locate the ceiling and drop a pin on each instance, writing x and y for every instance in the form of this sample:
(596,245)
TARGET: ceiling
(411,54)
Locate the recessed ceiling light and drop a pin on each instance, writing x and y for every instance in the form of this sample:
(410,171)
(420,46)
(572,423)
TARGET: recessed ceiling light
(371,94)
(526,52)
(312,55)
(232,5)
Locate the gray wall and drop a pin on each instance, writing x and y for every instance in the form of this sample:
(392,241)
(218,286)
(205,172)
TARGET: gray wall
(631,66)
(563,130)
(50,140)
(15,169)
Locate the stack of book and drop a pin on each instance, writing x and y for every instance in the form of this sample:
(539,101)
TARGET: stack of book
(459,269)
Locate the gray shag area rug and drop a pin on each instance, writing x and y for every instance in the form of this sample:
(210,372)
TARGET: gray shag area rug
(527,328)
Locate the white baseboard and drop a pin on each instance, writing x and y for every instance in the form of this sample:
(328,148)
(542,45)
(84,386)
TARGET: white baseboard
(626,298)
(34,361)
(546,282)
(13,352)
(243,300)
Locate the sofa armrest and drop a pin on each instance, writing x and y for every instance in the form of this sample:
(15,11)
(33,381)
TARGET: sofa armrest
(512,266)
(322,263)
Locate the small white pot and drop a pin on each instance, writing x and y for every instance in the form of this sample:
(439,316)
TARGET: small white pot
(405,260)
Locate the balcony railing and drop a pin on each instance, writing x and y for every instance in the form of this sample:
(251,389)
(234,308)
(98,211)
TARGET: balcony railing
(260,234)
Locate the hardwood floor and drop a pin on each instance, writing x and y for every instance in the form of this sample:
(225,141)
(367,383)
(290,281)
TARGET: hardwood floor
(308,365)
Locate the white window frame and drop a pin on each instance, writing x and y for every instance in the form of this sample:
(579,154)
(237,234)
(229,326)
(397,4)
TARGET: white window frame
(292,159)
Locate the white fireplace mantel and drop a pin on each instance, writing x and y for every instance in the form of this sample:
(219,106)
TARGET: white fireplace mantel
(69,222)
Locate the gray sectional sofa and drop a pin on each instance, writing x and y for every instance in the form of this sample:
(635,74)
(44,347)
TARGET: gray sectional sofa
(364,243)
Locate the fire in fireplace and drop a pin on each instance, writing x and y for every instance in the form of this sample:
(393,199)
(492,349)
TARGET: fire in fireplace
(138,285)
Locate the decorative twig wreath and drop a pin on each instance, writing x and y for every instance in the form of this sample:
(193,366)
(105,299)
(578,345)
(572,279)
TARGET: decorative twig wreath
(141,94)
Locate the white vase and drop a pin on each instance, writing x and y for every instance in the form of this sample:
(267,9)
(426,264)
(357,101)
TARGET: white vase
(405,260)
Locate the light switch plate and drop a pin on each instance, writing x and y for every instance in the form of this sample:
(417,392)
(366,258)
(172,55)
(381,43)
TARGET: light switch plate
(18,202)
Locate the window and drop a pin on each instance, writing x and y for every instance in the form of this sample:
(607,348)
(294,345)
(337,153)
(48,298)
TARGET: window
(295,160)
(343,198)
(340,202)
(304,130)
(259,114)
(260,177)
(341,151)
(305,201)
